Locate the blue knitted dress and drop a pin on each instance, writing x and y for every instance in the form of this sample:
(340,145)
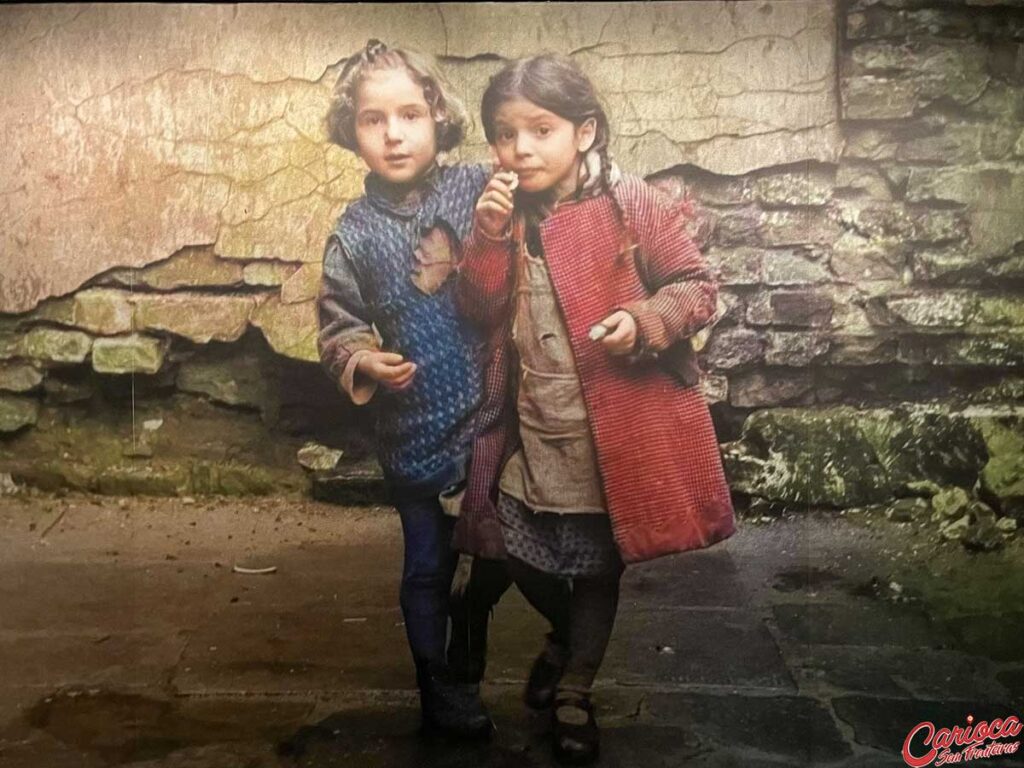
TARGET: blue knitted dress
(425,432)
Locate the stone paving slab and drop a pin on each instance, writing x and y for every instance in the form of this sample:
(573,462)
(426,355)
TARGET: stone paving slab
(898,672)
(698,646)
(787,727)
(1013,681)
(885,723)
(999,637)
(629,740)
(865,624)
(702,578)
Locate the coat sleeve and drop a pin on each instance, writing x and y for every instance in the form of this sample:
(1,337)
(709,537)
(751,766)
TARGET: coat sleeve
(484,278)
(345,335)
(684,293)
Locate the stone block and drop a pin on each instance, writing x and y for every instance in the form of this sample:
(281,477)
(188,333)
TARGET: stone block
(867,142)
(945,309)
(17,412)
(992,196)
(734,347)
(715,388)
(912,225)
(737,227)
(235,380)
(950,503)
(799,226)
(1002,478)
(863,180)
(55,346)
(303,285)
(772,387)
(314,457)
(735,308)
(794,349)
(787,267)
(881,80)
(191,267)
(808,309)
(797,188)
(19,377)
(100,311)
(737,266)
(268,273)
(290,329)
(1004,349)
(961,143)
(353,482)
(142,480)
(861,350)
(128,354)
(199,317)
(949,265)
(856,258)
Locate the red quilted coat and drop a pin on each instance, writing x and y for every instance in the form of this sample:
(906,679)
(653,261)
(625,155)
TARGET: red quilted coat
(658,456)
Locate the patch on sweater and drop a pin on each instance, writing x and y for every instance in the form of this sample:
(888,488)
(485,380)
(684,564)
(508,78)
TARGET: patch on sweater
(435,255)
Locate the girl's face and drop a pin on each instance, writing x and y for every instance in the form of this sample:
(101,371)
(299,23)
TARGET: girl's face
(395,131)
(544,149)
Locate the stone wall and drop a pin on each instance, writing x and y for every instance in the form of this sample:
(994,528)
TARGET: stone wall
(857,171)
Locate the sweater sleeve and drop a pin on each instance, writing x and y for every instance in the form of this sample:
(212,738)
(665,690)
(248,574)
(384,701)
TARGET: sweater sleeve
(484,277)
(684,293)
(345,335)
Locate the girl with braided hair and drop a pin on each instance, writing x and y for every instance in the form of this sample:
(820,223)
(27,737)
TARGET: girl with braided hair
(598,447)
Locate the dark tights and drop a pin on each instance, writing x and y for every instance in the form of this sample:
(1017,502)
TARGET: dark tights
(581,611)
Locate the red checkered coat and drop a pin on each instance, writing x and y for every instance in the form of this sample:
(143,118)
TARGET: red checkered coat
(658,456)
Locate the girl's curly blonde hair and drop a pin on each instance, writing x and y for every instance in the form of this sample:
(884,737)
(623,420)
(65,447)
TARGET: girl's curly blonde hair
(448,112)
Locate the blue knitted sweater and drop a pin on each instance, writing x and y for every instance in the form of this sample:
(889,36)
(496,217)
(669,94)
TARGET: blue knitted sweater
(424,433)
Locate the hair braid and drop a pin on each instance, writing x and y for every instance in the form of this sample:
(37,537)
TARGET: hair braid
(625,225)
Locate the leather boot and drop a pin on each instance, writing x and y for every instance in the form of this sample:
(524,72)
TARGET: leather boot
(452,708)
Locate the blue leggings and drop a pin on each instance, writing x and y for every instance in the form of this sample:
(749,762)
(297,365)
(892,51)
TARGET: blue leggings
(429,565)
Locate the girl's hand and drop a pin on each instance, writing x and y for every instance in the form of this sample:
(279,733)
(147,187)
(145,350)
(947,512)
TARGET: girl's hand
(391,370)
(494,208)
(622,333)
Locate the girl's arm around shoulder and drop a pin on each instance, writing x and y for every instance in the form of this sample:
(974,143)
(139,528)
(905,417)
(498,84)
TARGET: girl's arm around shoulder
(345,335)
(683,290)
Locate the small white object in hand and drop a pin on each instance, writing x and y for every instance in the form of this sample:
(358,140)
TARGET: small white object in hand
(512,185)
(598,332)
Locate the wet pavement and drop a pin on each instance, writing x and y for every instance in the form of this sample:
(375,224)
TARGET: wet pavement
(126,639)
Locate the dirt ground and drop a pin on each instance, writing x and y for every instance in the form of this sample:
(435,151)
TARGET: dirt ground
(127,639)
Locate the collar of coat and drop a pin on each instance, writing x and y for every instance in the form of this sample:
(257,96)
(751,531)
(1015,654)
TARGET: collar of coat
(591,183)
(398,200)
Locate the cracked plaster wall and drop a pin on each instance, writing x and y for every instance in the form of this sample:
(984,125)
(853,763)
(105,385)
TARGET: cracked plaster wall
(857,169)
(131,132)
